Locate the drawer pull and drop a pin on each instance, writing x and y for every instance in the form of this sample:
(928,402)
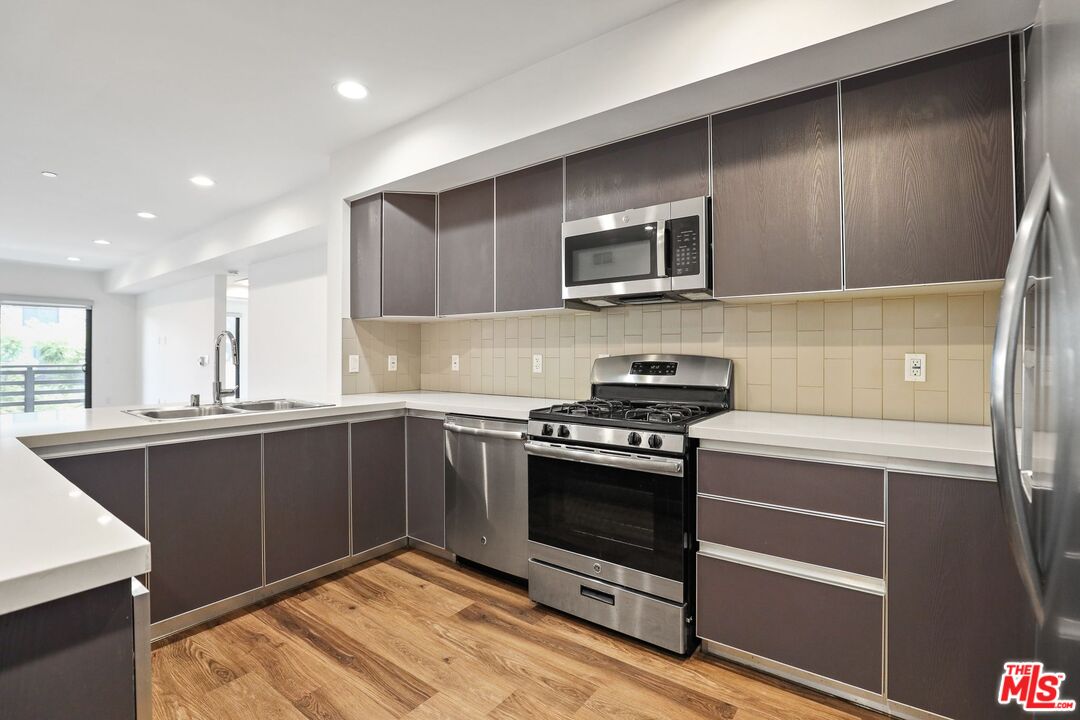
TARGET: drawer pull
(606,598)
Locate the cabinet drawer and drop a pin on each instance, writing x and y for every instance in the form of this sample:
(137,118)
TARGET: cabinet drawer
(841,544)
(823,629)
(838,489)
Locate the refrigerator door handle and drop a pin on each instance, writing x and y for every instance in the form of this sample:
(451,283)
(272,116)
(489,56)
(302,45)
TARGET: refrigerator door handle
(1002,387)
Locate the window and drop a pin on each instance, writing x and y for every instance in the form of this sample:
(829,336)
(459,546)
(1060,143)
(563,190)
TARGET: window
(44,357)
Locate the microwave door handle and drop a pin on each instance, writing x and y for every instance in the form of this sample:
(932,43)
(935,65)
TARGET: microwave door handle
(662,269)
(1011,481)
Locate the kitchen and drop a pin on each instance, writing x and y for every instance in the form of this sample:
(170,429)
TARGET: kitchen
(565,381)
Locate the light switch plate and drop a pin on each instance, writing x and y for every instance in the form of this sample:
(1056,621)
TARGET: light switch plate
(455,363)
(915,367)
(538,364)
(354,363)
(391,363)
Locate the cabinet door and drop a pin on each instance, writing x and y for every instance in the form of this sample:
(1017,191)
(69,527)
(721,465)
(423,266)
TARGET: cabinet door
(115,480)
(408,254)
(814,626)
(776,196)
(467,249)
(306,490)
(426,488)
(928,169)
(205,522)
(378,481)
(669,164)
(70,658)
(528,238)
(365,257)
(957,610)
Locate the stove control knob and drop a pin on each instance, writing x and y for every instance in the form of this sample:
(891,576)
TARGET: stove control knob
(633,438)
(655,441)
(547,430)
(564,432)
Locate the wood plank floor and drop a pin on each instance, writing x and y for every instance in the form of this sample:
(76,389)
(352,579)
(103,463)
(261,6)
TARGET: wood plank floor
(412,636)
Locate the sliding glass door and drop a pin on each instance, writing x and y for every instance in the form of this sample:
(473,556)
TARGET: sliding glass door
(44,357)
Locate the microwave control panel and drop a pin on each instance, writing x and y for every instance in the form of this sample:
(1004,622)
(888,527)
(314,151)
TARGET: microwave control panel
(685,246)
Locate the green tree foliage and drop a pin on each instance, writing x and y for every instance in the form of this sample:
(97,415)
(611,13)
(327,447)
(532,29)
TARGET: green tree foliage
(52,352)
(9,349)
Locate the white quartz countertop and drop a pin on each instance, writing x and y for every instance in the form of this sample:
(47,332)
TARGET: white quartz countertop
(55,541)
(947,444)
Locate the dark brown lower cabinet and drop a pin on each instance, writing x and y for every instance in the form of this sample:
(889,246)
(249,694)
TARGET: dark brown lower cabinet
(306,498)
(205,522)
(823,629)
(957,609)
(116,480)
(378,482)
(426,486)
(70,658)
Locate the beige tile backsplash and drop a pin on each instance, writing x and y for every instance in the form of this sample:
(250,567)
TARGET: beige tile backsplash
(822,357)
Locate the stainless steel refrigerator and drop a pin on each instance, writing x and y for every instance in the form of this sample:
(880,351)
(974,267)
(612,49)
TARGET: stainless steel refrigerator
(1035,371)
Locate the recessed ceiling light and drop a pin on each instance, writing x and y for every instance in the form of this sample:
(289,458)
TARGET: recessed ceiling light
(146,215)
(102,241)
(72,258)
(48,174)
(202,181)
(351,90)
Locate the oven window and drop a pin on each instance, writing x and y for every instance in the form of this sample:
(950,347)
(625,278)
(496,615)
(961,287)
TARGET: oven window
(617,255)
(626,517)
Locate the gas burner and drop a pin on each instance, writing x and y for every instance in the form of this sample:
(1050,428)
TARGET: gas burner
(665,413)
(593,407)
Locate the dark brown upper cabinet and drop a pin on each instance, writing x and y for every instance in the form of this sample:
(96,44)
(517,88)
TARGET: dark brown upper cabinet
(467,249)
(669,164)
(776,196)
(528,238)
(957,608)
(365,257)
(928,169)
(392,251)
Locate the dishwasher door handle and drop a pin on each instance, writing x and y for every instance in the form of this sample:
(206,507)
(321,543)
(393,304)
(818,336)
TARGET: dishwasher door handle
(480,432)
(626,462)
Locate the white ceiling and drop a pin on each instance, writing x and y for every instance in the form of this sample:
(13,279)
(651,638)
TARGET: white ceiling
(126,99)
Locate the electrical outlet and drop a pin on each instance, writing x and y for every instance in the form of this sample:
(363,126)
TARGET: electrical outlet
(391,363)
(538,364)
(915,367)
(455,363)
(354,363)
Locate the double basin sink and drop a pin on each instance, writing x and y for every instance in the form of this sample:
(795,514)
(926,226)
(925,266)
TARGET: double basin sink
(238,408)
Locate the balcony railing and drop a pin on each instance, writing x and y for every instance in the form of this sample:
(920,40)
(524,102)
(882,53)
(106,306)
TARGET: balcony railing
(26,388)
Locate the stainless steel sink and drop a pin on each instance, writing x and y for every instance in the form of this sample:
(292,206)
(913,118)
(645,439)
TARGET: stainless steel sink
(179,413)
(268,405)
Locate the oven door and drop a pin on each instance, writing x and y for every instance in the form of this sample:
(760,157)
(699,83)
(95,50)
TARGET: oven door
(618,254)
(614,516)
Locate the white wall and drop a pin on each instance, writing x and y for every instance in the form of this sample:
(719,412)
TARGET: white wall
(115,379)
(286,345)
(177,325)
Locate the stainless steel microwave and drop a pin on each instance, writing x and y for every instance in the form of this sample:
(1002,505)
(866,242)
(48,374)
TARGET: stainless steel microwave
(660,253)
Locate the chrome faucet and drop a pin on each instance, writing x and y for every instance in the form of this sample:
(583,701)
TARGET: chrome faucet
(219,391)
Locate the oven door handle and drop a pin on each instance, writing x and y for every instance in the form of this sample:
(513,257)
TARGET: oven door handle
(653,465)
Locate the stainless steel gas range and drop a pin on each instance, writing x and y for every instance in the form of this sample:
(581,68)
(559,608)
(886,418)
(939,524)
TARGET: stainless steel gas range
(611,493)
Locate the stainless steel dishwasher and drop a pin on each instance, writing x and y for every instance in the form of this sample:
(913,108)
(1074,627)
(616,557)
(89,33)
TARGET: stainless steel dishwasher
(487,492)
